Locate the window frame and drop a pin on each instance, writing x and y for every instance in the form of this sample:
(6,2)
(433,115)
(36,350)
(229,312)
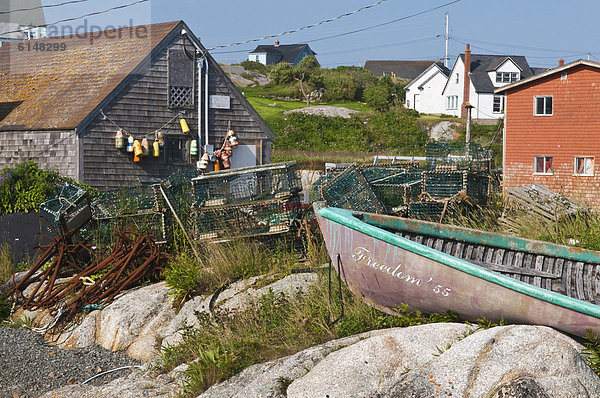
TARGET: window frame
(545,172)
(535,108)
(451,102)
(175,143)
(583,174)
(502,103)
(507,77)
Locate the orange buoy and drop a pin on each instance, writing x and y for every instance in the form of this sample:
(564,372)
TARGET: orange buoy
(119,142)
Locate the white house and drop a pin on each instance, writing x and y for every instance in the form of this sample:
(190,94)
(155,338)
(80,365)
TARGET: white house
(424,93)
(476,83)
(271,55)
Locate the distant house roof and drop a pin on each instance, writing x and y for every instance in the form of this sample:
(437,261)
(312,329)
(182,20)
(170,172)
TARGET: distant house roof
(284,52)
(58,89)
(402,69)
(548,72)
(481,64)
(441,68)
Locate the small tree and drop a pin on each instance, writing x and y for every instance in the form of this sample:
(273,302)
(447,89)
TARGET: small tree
(306,67)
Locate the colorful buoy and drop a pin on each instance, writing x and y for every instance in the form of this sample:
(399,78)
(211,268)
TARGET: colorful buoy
(145,147)
(119,142)
(156,149)
(194,148)
(161,138)
(130,144)
(137,149)
(232,138)
(203,163)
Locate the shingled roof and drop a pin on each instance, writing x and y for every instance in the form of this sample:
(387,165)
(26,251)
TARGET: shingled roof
(402,69)
(481,64)
(56,89)
(286,52)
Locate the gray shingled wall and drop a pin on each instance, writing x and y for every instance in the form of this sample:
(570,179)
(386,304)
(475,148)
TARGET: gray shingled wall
(142,108)
(51,150)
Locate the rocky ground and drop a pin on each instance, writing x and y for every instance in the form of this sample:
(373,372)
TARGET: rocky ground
(29,366)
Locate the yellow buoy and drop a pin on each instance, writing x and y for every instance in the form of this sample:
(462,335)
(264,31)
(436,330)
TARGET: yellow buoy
(184,126)
(156,147)
(137,149)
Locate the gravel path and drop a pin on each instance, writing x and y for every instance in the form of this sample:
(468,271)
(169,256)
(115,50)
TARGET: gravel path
(29,366)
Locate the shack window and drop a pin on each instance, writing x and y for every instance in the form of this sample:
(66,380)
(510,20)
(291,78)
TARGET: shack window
(543,165)
(543,105)
(584,166)
(177,150)
(181,79)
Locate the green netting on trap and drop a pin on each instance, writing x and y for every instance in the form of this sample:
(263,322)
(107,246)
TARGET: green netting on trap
(248,219)
(125,201)
(100,231)
(463,157)
(67,209)
(440,185)
(397,195)
(247,184)
(427,210)
(351,190)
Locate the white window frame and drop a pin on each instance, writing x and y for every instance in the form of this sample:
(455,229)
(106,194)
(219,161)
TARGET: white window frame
(583,173)
(501,98)
(507,77)
(545,97)
(452,102)
(545,172)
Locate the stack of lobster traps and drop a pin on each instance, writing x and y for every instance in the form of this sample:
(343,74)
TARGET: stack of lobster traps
(247,202)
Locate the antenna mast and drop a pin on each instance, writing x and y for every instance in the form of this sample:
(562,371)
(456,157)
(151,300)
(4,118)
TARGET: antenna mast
(446,56)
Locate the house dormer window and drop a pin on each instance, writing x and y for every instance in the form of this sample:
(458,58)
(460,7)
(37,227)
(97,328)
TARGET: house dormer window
(507,77)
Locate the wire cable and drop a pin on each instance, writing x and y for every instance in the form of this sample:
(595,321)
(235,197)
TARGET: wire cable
(82,16)
(386,23)
(42,6)
(302,28)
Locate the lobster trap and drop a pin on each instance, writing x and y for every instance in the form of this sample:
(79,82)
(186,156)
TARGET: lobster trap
(251,201)
(247,184)
(452,174)
(258,218)
(69,209)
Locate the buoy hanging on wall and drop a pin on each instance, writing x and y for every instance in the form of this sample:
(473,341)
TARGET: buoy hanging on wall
(119,142)
(232,138)
(130,144)
(137,148)
(203,163)
(145,147)
(194,148)
(156,149)
(161,138)
(184,126)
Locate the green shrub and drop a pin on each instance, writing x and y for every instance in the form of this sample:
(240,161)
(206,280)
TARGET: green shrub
(255,67)
(25,187)
(282,73)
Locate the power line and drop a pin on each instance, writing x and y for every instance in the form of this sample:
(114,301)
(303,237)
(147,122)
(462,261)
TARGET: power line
(82,16)
(302,28)
(415,41)
(457,38)
(42,6)
(386,23)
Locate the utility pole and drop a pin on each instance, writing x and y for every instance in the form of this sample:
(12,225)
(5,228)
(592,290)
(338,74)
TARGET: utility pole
(446,55)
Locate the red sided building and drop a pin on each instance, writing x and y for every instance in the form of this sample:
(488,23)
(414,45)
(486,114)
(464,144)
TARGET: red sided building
(552,131)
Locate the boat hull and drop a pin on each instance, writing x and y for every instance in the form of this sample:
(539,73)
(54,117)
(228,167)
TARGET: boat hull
(388,270)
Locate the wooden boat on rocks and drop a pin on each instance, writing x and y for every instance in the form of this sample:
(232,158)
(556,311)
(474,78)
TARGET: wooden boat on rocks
(388,261)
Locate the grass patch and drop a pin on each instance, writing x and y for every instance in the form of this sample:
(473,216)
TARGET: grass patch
(227,343)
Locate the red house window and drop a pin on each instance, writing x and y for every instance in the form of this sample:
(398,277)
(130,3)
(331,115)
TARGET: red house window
(542,165)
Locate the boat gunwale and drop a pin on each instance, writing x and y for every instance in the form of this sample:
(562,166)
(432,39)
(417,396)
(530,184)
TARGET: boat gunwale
(474,236)
(349,220)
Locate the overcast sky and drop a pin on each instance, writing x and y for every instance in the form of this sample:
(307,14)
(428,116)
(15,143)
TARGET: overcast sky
(543,31)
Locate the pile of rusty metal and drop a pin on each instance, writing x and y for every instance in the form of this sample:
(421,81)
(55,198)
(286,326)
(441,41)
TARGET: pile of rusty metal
(92,281)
